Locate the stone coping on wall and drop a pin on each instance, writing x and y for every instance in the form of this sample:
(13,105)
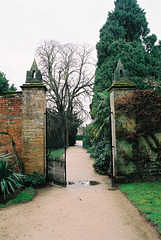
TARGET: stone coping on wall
(119,85)
(34,85)
(10,93)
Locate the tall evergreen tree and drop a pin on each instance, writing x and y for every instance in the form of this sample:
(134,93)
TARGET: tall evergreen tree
(124,36)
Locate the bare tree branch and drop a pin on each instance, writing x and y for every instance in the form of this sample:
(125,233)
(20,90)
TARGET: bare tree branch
(68,72)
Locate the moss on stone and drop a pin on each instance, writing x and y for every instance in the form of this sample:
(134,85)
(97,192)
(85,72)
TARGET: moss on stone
(122,85)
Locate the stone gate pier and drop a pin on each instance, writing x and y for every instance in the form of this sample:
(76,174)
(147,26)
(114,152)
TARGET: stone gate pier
(33,122)
(134,157)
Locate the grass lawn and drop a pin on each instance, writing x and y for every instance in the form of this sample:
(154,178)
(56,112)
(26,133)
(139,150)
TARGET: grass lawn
(147,197)
(23,197)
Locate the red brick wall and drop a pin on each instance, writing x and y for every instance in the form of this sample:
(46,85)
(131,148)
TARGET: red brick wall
(11,122)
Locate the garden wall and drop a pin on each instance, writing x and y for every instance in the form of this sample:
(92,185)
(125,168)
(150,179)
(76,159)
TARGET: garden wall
(11,122)
(135,130)
(23,118)
(138,134)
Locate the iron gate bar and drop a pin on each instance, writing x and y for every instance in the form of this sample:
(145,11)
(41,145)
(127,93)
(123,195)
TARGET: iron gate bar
(65,143)
(111,150)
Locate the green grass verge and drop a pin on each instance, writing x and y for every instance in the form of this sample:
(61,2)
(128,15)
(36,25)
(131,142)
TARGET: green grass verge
(56,154)
(25,196)
(147,197)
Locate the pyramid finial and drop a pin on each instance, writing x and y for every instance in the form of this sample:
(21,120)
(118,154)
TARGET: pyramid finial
(121,74)
(34,66)
(34,75)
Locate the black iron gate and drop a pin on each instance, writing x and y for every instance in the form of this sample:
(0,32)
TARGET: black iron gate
(55,139)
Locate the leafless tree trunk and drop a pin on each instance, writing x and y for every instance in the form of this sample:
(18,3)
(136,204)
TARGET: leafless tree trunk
(68,72)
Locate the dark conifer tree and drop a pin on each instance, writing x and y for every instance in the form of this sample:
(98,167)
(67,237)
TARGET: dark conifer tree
(4,84)
(124,36)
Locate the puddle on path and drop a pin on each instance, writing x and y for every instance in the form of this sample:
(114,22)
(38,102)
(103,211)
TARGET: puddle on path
(83,183)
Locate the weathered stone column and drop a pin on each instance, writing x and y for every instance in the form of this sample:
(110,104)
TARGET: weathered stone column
(120,88)
(34,122)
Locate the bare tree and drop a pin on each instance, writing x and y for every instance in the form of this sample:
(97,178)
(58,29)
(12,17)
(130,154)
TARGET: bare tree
(68,72)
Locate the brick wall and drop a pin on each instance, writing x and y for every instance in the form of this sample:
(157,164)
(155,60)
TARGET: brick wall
(22,115)
(11,121)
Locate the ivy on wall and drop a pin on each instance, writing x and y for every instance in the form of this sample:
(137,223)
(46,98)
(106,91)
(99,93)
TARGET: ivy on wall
(141,127)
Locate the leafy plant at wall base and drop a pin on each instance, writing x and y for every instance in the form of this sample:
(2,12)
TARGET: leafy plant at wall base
(101,165)
(34,180)
(9,180)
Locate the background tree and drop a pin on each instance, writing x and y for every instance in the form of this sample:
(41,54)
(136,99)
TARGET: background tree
(4,84)
(68,73)
(74,129)
(125,36)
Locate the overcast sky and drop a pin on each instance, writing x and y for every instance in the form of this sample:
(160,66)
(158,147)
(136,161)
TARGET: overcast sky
(25,23)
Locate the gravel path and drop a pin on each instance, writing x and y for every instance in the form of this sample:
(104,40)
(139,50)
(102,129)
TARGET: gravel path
(78,212)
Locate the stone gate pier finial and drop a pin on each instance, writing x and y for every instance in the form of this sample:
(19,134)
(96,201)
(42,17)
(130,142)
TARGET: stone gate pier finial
(34,75)
(121,78)
(121,74)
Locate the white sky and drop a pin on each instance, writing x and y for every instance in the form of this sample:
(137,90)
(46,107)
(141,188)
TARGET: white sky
(25,23)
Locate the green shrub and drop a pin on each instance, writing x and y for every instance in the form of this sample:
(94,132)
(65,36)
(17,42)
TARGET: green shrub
(76,122)
(9,180)
(34,180)
(101,153)
(79,137)
(101,165)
